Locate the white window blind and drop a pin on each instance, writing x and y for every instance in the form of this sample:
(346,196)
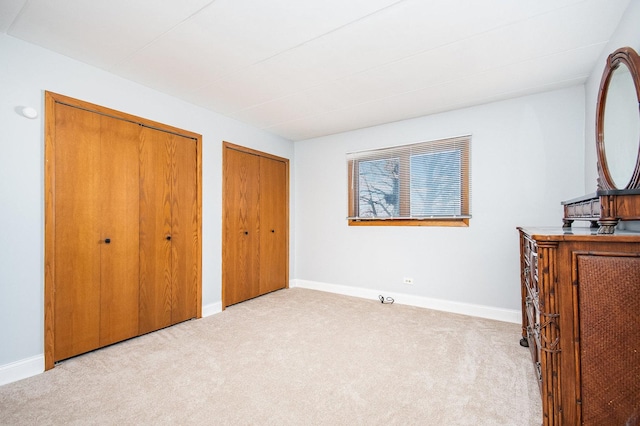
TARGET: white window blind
(426,180)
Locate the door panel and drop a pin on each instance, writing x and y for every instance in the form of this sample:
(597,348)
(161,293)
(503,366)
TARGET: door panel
(77,234)
(155,226)
(240,246)
(119,216)
(184,230)
(273,222)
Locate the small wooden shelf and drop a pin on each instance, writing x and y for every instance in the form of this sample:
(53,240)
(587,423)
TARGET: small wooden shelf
(604,209)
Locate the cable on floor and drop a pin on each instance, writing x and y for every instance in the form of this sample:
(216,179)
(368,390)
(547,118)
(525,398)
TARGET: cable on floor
(388,300)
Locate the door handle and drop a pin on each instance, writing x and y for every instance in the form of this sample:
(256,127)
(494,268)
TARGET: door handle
(107,240)
(168,237)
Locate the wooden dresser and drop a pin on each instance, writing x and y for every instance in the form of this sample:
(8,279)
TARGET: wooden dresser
(581,322)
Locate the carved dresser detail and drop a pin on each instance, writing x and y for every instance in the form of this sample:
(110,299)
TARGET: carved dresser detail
(581,322)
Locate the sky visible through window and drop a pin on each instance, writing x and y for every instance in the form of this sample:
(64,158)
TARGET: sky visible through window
(435,184)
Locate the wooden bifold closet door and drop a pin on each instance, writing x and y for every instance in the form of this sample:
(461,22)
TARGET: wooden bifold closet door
(96,231)
(122,227)
(274,224)
(255,221)
(168,219)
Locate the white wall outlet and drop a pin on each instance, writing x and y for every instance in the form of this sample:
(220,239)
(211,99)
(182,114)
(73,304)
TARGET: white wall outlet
(408,280)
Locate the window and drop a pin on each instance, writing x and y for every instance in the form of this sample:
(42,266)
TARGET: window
(426,183)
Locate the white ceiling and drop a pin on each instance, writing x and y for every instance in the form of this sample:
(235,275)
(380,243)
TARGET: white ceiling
(307,68)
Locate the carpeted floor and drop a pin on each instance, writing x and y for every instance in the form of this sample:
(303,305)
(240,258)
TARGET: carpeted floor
(294,357)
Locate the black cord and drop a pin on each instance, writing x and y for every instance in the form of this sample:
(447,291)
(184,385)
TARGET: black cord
(388,300)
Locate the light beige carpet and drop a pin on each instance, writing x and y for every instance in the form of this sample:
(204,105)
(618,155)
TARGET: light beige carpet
(294,357)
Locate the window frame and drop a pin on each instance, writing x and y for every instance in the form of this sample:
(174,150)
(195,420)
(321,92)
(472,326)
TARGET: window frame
(404,152)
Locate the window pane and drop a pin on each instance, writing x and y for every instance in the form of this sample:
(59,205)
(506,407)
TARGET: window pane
(436,184)
(379,188)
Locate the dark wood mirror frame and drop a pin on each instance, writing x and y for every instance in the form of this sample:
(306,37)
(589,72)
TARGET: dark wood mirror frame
(628,57)
(609,204)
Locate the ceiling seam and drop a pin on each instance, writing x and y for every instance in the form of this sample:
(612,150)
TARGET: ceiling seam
(235,70)
(394,61)
(118,63)
(448,82)
(502,96)
(15,18)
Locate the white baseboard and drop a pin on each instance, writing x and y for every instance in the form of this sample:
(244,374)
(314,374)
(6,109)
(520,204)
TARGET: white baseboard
(21,369)
(481,311)
(211,309)
(28,367)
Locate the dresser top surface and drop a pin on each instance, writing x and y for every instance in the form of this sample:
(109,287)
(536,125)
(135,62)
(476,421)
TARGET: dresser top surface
(557,233)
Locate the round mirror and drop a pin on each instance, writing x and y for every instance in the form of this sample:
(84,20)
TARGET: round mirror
(621,136)
(618,122)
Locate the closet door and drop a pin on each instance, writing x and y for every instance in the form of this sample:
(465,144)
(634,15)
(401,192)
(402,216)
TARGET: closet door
(184,230)
(96,232)
(255,224)
(155,230)
(273,225)
(168,229)
(240,239)
(118,199)
(77,232)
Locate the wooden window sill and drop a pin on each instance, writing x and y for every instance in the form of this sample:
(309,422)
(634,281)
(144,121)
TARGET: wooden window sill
(461,222)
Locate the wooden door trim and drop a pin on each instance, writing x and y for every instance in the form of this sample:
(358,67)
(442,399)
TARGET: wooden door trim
(255,152)
(51,100)
(225,147)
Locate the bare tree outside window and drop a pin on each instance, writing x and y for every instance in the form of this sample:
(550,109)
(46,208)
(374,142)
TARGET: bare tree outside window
(379,188)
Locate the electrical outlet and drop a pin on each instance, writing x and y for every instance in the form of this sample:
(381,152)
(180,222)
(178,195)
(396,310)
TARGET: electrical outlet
(408,280)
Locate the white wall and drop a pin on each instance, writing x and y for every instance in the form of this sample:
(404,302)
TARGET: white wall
(26,71)
(527,156)
(626,34)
